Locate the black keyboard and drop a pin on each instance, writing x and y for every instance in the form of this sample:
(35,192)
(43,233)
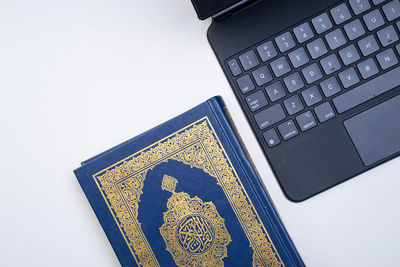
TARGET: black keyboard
(322,67)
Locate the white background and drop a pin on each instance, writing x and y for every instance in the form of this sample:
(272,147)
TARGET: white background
(80,76)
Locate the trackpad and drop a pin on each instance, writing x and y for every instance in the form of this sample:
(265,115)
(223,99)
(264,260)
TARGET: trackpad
(376,131)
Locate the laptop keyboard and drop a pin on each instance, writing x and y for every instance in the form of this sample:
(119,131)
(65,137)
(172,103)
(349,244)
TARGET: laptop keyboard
(320,68)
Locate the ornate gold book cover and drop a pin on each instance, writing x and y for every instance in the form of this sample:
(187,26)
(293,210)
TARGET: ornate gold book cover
(185,194)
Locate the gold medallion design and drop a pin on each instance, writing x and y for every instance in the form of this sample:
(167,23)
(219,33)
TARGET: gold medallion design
(193,231)
(195,234)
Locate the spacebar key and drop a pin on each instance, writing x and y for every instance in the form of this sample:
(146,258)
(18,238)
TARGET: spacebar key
(368,90)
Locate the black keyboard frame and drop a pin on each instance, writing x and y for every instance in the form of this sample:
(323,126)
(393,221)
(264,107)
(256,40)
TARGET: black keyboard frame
(276,154)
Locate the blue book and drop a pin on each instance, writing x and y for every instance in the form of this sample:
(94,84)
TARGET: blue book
(186,194)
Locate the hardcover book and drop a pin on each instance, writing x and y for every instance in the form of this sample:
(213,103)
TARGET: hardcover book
(186,194)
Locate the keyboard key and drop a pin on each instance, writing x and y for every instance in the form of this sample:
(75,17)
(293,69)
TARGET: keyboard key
(303,32)
(293,104)
(335,39)
(324,112)
(349,77)
(298,57)
(249,60)
(330,86)
(359,6)
(306,121)
(387,36)
(349,54)
(311,96)
(256,100)
(377,2)
(245,84)
(367,68)
(288,130)
(267,51)
(269,116)
(312,73)
(285,42)
(293,82)
(368,45)
(275,91)
(340,14)
(330,64)
(272,138)
(234,67)
(366,91)
(373,19)
(322,23)
(398,48)
(354,29)
(262,75)
(392,10)
(317,48)
(387,59)
(398,25)
(280,66)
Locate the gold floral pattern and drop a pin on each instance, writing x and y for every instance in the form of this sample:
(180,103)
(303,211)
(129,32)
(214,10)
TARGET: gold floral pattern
(196,145)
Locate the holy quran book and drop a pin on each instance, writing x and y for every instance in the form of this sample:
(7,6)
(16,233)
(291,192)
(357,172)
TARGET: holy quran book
(186,194)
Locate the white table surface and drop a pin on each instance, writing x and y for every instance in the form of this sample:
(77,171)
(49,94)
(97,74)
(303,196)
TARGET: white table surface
(80,76)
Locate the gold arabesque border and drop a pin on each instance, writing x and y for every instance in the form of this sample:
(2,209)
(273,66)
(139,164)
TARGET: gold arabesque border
(198,146)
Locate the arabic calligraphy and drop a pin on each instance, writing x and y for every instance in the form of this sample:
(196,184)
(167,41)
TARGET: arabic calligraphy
(193,231)
(195,234)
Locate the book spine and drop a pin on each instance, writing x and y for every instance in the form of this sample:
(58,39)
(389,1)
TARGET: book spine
(223,116)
